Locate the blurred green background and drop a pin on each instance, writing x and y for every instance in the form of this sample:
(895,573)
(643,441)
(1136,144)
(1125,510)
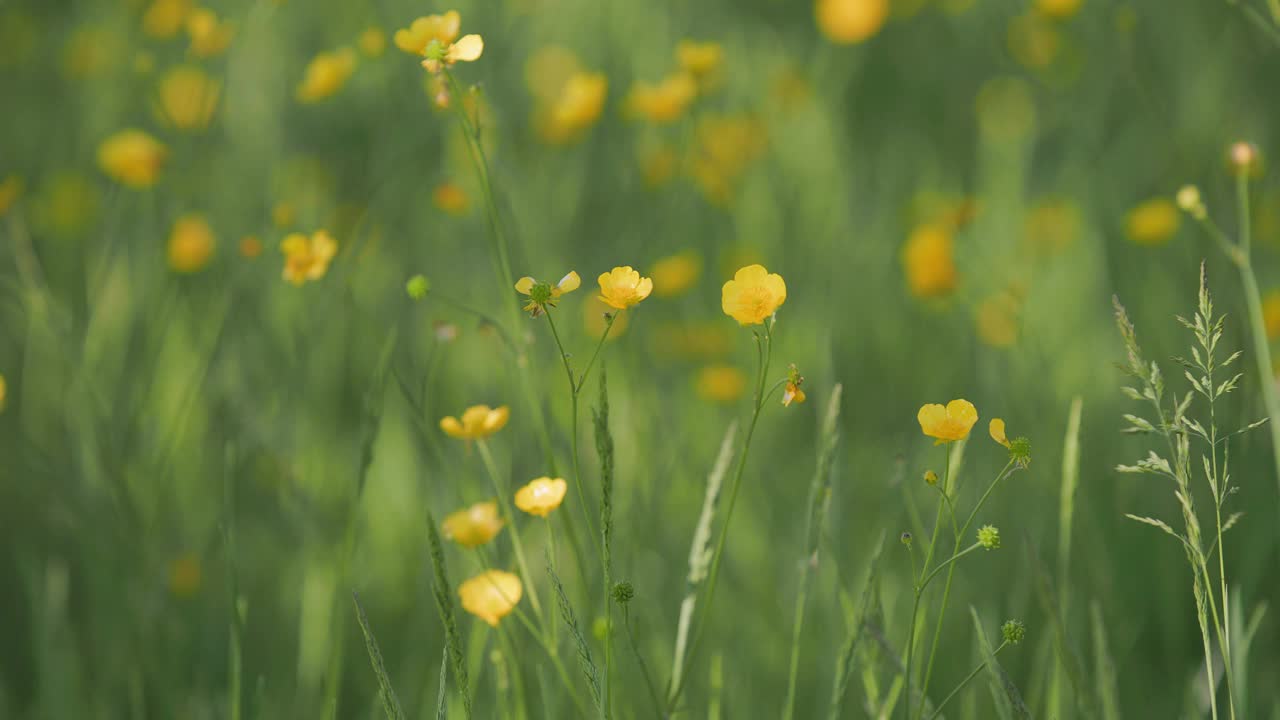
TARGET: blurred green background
(952,189)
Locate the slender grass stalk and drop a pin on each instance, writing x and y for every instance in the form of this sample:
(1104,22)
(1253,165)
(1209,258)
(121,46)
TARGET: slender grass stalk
(589,669)
(1104,671)
(1066,509)
(918,581)
(444,605)
(604,449)
(644,667)
(956,691)
(845,666)
(386,693)
(235,649)
(508,516)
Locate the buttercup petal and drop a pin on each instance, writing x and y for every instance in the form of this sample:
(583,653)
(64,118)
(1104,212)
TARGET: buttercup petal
(524,285)
(569,282)
(452,427)
(467,49)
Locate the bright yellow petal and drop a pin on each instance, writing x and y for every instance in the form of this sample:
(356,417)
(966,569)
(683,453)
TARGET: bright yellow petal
(996,428)
(775,285)
(467,49)
(643,288)
(524,285)
(452,427)
(751,274)
(496,419)
(930,417)
(569,282)
(963,413)
(450,24)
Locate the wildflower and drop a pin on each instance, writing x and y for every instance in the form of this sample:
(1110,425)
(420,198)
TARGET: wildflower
(949,423)
(307,258)
(846,22)
(417,287)
(491,595)
(996,428)
(185,576)
(1033,40)
(541,495)
(191,244)
(996,319)
(906,539)
(721,383)
(674,274)
(930,477)
(623,592)
(1245,159)
(372,42)
(1271,314)
(544,295)
(133,158)
(326,74)
(67,203)
(436,38)
(1190,202)
(575,108)
(250,246)
(283,214)
(478,421)
(726,146)
(10,191)
(188,97)
(623,287)
(210,36)
(753,295)
(473,526)
(164,18)
(989,537)
(1152,222)
(4,388)
(793,393)
(664,102)
(929,260)
(658,165)
(1013,631)
(1058,9)
(700,59)
(450,198)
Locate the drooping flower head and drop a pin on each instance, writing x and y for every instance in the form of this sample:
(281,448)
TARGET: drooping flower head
(475,525)
(478,421)
(753,295)
(132,158)
(1019,448)
(435,37)
(491,595)
(541,495)
(623,287)
(793,393)
(949,423)
(307,258)
(544,295)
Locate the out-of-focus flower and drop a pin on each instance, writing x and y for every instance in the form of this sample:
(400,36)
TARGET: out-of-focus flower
(1152,222)
(949,423)
(185,576)
(575,108)
(702,60)
(491,595)
(91,51)
(283,214)
(307,258)
(250,246)
(1058,9)
(1271,314)
(326,74)
(475,525)
(436,38)
(191,243)
(726,147)
(996,319)
(545,295)
(929,260)
(1052,225)
(675,274)
(133,158)
(1245,158)
(721,383)
(164,18)
(4,388)
(417,287)
(478,422)
(753,295)
(1033,40)
(1190,202)
(372,42)
(623,287)
(692,341)
(10,191)
(658,165)
(846,22)
(541,495)
(663,102)
(450,198)
(209,35)
(188,97)
(66,204)
(793,392)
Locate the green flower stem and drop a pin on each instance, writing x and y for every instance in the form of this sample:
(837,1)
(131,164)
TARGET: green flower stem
(919,585)
(764,353)
(938,710)
(644,667)
(948,562)
(509,517)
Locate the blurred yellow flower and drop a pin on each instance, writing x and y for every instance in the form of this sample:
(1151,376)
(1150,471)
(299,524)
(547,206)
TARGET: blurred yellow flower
(721,383)
(307,258)
(726,146)
(1060,9)
(372,42)
(164,18)
(664,102)
(188,97)
(850,21)
(10,191)
(623,287)
(191,243)
(996,320)
(753,295)
(283,214)
(450,198)
(548,69)
(700,59)
(674,274)
(542,296)
(575,108)
(326,74)
(185,576)
(448,48)
(541,495)
(695,341)
(996,428)
(250,246)
(949,423)
(475,525)
(1033,40)
(66,203)
(1271,314)
(4,388)
(929,261)
(132,158)
(1153,222)
(210,36)
(593,319)
(478,422)
(491,595)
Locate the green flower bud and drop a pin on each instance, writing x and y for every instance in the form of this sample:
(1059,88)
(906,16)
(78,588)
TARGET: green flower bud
(1013,631)
(931,477)
(906,539)
(623,592)
(989,537)
(418,287)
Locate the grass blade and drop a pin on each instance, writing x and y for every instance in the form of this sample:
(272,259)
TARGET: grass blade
(589,669)
(848,654)
(1066,510)
(390,703)
(1104,670)
(444,605)
(442,712)
(999,678)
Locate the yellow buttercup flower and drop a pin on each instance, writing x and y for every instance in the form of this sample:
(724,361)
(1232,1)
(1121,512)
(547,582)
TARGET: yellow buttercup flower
(699,59)
(1153,222)
(188,97)
(10,191)
(846,22)
(478,422)
(132,158)
(372,42)
(674,274)
(164,18)
(1060,9)
(1270,313)
(929,260)
(664,102)
(4,388)
(996,428)
(191,244)
(575,108)
(210,36)
(545,295)
(436,37)
(450,198)
(541,495)
(491,595)
(326,74)
(949,423)
(721,383)
(307,258)
(753,295)
(475,525)
(623,287)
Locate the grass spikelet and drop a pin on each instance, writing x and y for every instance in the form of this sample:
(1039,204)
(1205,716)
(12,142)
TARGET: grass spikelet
(444,605)
(589,669)
(442,695)
(387,693)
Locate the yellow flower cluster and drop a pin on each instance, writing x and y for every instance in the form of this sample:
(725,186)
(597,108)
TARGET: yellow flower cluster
(307,258)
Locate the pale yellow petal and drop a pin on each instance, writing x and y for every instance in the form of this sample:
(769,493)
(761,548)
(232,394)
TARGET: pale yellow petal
(569,282)
(467,49)
(524,285)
